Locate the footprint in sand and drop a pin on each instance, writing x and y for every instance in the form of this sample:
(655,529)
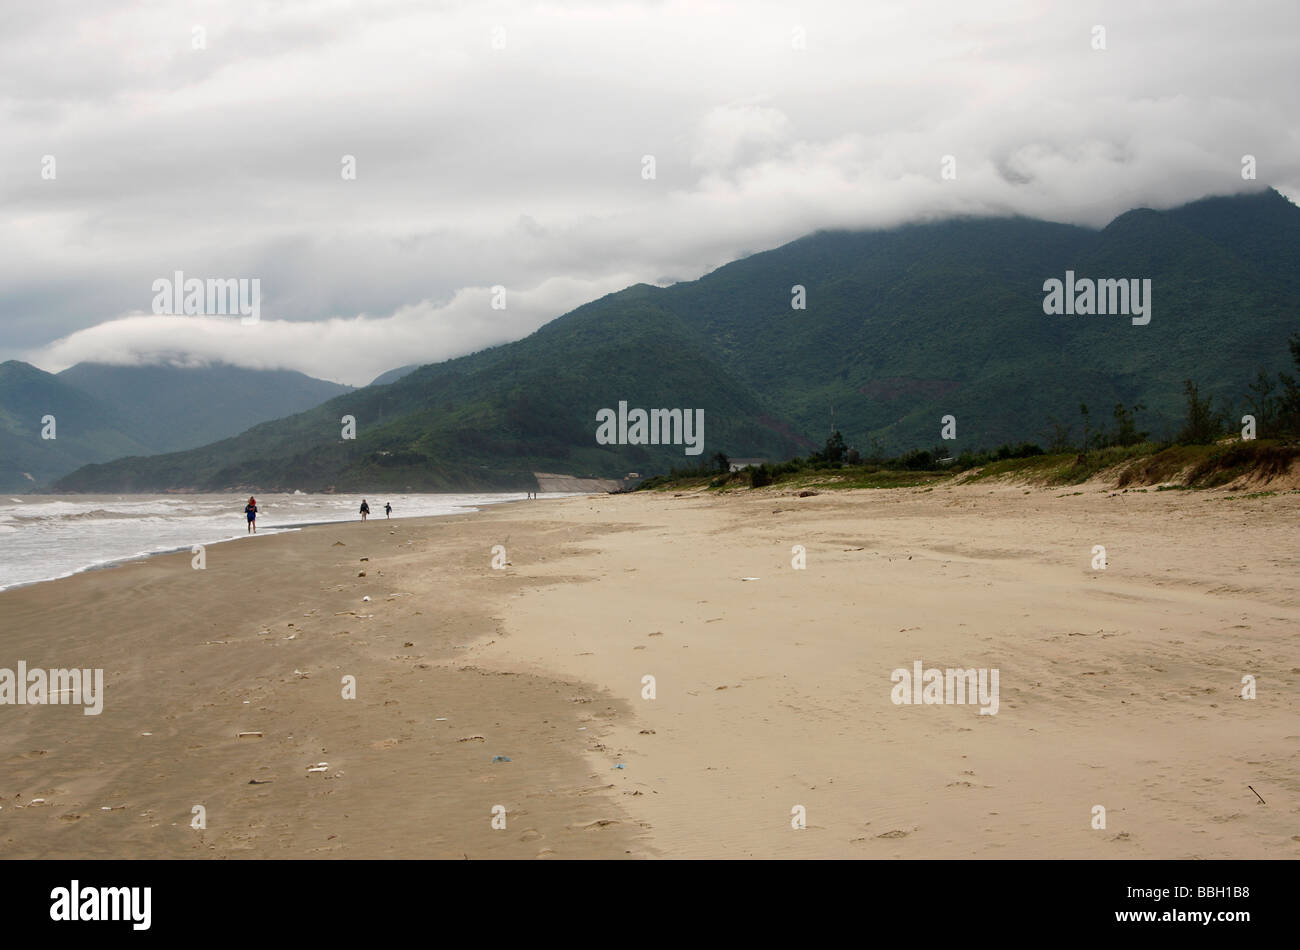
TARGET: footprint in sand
(600,823)
(34,753)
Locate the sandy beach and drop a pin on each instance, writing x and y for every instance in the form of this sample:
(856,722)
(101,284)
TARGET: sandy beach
(1119,688)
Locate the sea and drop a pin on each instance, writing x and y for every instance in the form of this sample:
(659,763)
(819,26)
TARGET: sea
(43,537)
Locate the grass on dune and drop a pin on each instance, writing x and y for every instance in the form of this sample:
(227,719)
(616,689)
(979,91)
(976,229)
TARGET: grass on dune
(1146,464)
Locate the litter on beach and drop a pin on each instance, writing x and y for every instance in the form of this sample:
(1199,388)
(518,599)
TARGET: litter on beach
(248,735)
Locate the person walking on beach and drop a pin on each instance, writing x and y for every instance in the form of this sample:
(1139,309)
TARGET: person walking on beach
(250,509)
(388,510)
(365,509)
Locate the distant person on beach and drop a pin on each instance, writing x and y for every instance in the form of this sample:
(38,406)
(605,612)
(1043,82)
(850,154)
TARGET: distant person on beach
(365,509)
(388,510)
(250,509)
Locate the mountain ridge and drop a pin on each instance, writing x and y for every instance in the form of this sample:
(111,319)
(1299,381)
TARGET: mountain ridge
(901,327)
(104,411)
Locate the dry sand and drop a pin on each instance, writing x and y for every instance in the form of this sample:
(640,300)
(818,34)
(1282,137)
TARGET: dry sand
(1120,688)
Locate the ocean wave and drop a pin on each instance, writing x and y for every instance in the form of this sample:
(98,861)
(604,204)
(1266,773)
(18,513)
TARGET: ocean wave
(96,514)
(50,538)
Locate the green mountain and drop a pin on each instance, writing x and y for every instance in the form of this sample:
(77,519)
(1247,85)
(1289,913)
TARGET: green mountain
(105,412)
(905,326)
(488,420)
(170,408)
(393,375)
(901,327)
(84,429)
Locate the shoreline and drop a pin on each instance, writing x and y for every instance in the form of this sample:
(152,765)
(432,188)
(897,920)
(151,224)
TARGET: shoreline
(268,531)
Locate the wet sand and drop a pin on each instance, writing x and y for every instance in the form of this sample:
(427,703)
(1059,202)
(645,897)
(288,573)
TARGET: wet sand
(260,641)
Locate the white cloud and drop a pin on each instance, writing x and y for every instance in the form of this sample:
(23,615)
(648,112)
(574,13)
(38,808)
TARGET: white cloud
(359,347)
(735,133)
(522,166)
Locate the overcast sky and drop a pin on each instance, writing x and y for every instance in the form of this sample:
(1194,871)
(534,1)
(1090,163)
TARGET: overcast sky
(503,144)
